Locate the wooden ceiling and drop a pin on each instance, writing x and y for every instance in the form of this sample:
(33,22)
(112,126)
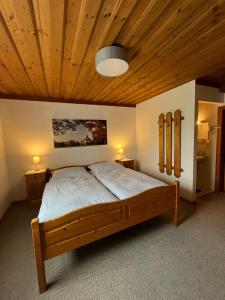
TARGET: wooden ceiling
(47,47)
(215,79)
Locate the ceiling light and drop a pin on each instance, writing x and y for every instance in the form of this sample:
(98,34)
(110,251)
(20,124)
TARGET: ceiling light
(111,61)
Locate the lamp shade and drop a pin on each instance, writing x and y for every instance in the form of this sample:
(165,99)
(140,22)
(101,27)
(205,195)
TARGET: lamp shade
(121,150)
(36,159)
(111,61)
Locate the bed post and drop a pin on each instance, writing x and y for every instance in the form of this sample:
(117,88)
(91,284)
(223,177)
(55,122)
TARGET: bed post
(38,255)
(177,202)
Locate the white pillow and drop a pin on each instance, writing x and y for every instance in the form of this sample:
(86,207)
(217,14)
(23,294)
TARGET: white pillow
(69,172)
(104,167)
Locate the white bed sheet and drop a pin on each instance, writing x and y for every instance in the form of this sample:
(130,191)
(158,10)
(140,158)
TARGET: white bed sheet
(125,183)
(64,195)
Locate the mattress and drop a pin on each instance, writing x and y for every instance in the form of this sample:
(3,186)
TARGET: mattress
(125,183)
(63,195)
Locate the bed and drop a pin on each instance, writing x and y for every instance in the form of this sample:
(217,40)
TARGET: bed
(81,207)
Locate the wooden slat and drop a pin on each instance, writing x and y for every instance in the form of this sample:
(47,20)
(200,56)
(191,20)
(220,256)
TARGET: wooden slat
(141,18)
(169,143)
(177,143)
(161,143)
(49,16)
(8,81)
(11,59)
(19,18)
(3,89)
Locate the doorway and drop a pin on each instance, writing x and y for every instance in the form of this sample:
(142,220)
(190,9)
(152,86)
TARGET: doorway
(220,150)
(206,147)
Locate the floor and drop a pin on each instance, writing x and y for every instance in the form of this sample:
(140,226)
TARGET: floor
(154,260)
(200,192)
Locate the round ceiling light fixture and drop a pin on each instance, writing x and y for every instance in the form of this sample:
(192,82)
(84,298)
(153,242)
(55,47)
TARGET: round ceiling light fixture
(111,61)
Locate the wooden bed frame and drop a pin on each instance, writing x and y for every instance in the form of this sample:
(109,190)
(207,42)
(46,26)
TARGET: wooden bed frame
(86,225)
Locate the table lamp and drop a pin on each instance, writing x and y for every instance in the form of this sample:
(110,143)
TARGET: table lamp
(36,161)
(121,151)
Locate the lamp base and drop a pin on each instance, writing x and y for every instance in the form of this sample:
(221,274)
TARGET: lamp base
(36,169)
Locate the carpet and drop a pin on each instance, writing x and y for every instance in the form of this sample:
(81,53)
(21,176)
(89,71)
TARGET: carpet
(154,260)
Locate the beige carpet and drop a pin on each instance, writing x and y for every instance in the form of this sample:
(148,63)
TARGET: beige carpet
(154,260)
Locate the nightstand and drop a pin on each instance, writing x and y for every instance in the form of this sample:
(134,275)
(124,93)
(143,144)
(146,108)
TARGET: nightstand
(127,163)
(35,183)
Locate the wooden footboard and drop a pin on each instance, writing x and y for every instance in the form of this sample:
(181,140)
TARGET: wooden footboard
(92,223)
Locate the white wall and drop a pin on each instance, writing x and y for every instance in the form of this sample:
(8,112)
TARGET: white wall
(206,93)
(4,181)
(28,132)
(147,113)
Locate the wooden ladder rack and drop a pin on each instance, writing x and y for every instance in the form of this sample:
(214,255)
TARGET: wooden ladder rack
(172,134)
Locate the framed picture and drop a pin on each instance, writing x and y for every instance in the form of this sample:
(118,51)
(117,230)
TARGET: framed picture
(76,133)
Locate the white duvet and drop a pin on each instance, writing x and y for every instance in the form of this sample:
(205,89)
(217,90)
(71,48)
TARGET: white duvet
(63,195)
(125,183)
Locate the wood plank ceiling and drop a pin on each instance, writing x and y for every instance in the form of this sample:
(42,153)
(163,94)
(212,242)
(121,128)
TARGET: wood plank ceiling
(214,79)
(47,47)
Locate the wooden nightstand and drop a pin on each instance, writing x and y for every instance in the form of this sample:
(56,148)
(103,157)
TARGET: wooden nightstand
(35,183)
(127,163)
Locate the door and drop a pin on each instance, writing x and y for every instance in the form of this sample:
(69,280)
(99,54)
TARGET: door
(220,150)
